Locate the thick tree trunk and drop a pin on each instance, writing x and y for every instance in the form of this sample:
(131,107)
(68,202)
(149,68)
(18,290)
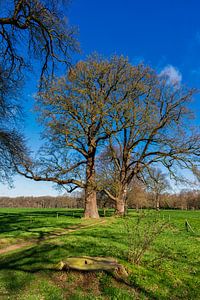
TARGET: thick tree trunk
(120,202)
(91,210)
(120,207)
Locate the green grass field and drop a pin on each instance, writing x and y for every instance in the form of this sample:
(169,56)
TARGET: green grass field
(33,241)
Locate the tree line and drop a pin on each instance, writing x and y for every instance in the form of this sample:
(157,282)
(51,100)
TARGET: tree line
(139,199)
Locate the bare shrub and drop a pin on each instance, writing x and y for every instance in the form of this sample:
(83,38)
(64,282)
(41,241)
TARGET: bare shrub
(141,233)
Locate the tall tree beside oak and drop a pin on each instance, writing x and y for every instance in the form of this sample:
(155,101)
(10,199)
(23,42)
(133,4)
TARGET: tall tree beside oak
(160,134)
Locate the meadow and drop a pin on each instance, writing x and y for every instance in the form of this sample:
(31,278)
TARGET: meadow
(160,253)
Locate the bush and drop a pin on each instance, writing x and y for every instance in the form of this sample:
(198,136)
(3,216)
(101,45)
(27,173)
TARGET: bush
(141,233)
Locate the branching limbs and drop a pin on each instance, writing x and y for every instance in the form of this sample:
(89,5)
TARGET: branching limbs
(29,30)
(44,32)
(156,135)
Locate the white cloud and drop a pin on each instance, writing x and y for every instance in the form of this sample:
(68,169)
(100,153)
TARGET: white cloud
(172,74)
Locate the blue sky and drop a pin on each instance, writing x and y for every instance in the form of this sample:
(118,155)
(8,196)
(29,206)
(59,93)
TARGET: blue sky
(163,34)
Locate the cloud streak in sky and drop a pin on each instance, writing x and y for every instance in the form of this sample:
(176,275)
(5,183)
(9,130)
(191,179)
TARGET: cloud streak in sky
(172,74)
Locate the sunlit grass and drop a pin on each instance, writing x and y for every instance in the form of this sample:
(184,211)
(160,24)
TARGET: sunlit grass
(169,269)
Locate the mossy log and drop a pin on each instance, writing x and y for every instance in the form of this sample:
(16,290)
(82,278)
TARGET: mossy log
(88,263)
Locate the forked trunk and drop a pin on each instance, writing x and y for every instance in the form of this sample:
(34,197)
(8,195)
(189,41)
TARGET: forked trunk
(91,210)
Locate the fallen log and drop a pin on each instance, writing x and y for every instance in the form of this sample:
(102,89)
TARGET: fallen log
(88,263)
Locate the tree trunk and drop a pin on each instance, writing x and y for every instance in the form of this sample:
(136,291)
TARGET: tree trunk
(120,202)
(120,207)
(91,210)
(157,203)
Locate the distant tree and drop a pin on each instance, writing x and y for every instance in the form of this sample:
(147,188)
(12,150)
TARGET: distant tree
(29,30)
(137,196)
(157,183)
(159,134)
(189,199)
(80,112)
(193,199)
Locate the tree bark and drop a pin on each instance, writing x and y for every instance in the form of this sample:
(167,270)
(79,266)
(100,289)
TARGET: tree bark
(120,202)
(120,207)
(91,210)
(157,203)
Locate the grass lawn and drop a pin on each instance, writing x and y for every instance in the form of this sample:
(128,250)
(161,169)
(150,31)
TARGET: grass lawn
(168,265)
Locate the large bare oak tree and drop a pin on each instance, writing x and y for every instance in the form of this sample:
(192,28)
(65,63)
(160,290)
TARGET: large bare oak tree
(80,112)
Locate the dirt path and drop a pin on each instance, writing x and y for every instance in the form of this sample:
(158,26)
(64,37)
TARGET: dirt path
(47,237)
(15,247)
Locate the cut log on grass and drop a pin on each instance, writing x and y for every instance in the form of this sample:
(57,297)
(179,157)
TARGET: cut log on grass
(88,263)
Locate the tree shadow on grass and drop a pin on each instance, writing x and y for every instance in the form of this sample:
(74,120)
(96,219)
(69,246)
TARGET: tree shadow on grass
(44,257)
(19,269)
(22,223)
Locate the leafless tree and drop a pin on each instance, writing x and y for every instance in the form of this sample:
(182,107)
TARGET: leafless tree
(157,183)
(29,30)
(159,134)
(137,195)
(80,112)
